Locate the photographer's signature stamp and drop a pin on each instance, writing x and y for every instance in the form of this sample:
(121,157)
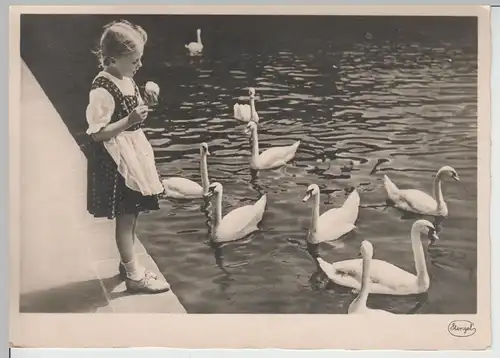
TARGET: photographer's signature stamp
(461,328)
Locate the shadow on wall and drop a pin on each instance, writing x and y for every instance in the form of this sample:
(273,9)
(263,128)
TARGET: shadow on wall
(57,49)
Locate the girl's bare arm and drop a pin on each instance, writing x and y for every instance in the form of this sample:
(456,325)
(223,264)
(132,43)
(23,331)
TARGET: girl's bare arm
(113,129)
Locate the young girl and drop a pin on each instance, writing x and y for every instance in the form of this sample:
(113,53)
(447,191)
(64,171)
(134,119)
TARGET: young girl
(122,176)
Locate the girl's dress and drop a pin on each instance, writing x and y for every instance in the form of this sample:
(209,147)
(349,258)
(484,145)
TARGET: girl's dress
(121,175)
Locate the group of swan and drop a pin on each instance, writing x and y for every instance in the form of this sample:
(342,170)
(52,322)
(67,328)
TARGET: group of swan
(368,275)
(242,221)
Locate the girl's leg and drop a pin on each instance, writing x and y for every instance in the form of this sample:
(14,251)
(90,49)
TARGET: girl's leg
(125,225)
(136,278)
(135,225)
(147,272)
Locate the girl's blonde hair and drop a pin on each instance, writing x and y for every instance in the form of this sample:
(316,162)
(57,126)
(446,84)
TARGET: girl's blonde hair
(119,38)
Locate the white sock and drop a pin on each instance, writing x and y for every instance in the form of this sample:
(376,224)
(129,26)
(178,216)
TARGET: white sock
(134,270)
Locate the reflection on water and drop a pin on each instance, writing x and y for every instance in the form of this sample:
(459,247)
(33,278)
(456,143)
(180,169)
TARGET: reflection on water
(377,105)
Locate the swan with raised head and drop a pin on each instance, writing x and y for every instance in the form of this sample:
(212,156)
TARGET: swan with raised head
(245,112)
(270,158)
(183,188)
(334,223)
(416,201)
(238,223)
(358,305)
(386,278)
(195,48)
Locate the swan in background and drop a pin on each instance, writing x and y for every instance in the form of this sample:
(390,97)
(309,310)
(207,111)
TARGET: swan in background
(182,188)
(238,223)
(385,277)
(245,112)
(358,305)
(195,48)
(270,158)
(334,223)
(417,201)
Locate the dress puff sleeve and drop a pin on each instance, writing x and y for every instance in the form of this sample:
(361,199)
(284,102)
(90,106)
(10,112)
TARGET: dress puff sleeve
(99,110)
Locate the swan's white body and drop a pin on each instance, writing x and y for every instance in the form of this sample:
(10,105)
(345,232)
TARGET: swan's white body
(385,278)
(245,112)
(334,223)
(270,158)
(195,48)
(238,223)
(183,188)
(417,201)
(358,305)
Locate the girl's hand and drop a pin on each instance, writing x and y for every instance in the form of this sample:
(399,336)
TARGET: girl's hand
(139,114)
(151,99)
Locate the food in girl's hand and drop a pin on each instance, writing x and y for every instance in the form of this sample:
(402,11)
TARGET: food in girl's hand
(151,91)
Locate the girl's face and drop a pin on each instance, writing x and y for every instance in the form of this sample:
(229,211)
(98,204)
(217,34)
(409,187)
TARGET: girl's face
(128,65)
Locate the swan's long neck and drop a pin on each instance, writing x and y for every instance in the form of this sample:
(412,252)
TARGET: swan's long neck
(438,194)
(315,214)
(253,111)
(365,281)
(218,209)
(255,143)
(204,173)
(419,257)
(198,35)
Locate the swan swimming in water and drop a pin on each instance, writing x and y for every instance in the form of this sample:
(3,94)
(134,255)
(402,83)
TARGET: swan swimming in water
(270,158)
(195,48)
(416,201)
(245,112)
(358,305)
(183,188)
(385,277)
(238,223)
(333,223)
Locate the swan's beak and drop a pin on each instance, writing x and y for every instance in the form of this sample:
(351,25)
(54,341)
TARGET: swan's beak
(210,193)
(360,254)
(456,178)
(307,197)
(433,238)
(208,152)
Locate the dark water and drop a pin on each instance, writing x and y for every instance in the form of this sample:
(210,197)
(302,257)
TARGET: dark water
(396,91)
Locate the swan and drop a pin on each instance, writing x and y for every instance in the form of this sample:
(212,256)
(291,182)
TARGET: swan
(182,188)
(358,305)
(270,158)
(238,223)
(245,112)
(385,277)
(417,201)
(195,48)
(334,223)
